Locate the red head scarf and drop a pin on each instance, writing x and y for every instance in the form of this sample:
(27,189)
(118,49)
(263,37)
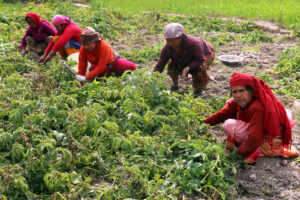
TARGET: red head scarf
(275,114)
(36,19)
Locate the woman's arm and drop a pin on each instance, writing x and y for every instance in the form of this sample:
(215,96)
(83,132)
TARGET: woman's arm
(163,59)
(229,111)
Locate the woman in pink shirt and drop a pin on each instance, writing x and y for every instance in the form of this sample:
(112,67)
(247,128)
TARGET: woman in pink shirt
(38,35)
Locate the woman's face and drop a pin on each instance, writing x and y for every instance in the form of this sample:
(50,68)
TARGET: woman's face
(60,28)
(30,22)
(242,96)
(90,47)
(174,42)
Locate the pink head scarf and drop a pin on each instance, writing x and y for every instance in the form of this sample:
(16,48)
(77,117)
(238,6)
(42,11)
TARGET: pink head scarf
(60,19)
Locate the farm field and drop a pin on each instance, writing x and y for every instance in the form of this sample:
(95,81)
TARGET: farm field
(284,12)
(129,137)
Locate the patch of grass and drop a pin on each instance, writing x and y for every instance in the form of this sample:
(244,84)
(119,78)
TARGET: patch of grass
(255,36)
(254,48)
(221,39)
(143,55)
(285,12)
(289,63)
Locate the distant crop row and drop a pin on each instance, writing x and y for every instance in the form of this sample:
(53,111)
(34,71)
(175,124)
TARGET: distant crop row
(285,12)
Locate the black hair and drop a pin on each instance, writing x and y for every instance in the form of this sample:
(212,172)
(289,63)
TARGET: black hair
(247,87)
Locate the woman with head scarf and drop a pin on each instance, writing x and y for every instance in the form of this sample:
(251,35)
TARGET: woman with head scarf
(38,35)
(66,41)
(185,55)
(103,58)
(255,121)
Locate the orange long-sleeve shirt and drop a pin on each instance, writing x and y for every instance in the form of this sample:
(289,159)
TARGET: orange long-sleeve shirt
(253,114)
(101,56)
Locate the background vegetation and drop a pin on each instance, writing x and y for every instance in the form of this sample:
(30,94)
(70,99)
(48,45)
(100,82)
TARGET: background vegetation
(285,12)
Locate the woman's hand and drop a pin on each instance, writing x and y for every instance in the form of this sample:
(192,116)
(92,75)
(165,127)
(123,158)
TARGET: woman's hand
(80,78)
(42,58)
(49,56)
(185,72)
(23,52)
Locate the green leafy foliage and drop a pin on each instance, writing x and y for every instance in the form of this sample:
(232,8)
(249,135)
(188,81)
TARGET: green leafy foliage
(144,55)
(255,36)
(289,67)
(289,64)
(128,126)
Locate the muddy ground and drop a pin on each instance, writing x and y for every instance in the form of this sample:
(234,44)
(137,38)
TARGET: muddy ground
(269,178)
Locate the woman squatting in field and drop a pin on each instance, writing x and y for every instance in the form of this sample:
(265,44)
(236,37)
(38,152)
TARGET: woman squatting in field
(255,121)
(185,55)
(66,41)
(38,35)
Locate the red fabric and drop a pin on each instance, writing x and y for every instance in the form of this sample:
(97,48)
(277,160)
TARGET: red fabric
(118,68)
(275,114)
(121,66)
(71,32)
(253,114)
(229,111)
(100,56)
(238,131)
(36,19)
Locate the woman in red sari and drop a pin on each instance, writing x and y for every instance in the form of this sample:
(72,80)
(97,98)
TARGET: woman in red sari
(255,121)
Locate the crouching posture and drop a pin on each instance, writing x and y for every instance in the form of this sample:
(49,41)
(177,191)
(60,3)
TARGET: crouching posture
(255,121)
(185,55)
(102,57)
(66,41)
(38,35)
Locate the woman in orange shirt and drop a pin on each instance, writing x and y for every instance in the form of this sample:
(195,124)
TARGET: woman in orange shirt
(103,58)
